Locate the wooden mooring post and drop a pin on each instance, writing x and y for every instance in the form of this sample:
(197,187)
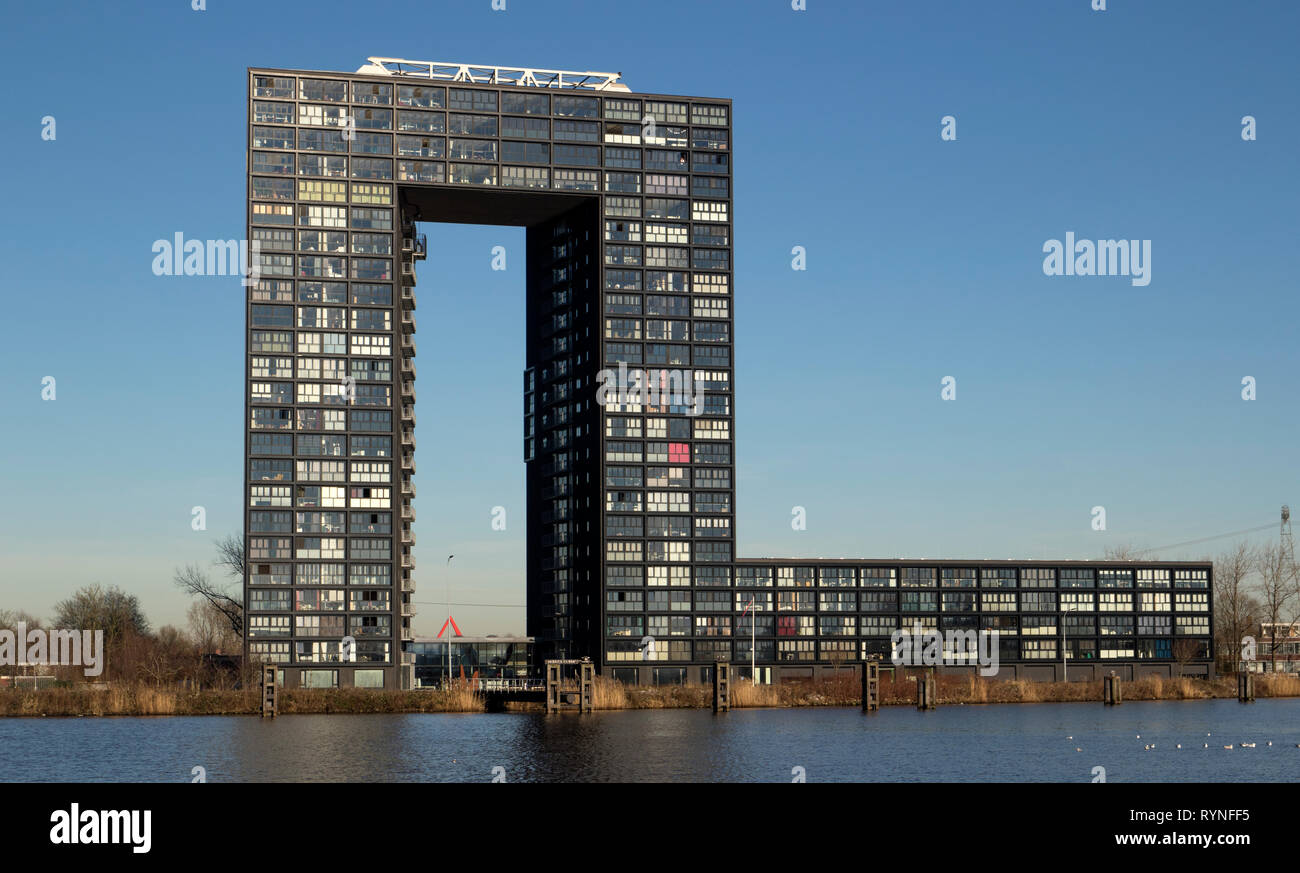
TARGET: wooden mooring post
(871,685)
(1246,687)
(270,692)
(722,687)
(925,698)
(1112,690)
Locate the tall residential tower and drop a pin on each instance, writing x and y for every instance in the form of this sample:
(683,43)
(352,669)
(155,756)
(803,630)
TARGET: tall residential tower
(627,201)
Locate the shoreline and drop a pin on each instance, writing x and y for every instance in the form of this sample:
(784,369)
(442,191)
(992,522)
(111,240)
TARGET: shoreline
(147,700)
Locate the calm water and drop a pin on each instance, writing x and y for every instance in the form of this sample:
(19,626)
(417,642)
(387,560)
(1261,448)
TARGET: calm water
(954,743)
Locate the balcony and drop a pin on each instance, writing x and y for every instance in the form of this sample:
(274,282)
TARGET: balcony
(408,322)
(408,512)
(408,487)
(408,297)
(416,245)
(408,392)
(408,414)
(408,658)
(408,561)
(408,366)
(408,273)
(407,635)
(408,463)
(408,585)
(408,610)
(408,345)
(408,438)
(408,537)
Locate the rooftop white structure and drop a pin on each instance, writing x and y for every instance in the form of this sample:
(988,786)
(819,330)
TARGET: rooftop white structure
(485,74)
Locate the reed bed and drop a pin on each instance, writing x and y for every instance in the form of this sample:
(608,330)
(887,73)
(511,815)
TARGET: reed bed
(136,700)
(148,700)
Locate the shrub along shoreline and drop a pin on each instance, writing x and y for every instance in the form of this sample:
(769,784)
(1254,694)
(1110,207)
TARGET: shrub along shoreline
(144,699)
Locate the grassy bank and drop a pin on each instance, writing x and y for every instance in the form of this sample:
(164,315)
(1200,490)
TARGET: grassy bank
(951,690)
(147,700)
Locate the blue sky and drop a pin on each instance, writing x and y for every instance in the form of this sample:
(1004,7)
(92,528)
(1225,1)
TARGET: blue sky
(924,260)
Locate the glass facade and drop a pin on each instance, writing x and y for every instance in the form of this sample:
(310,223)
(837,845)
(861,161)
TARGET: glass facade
(485,658)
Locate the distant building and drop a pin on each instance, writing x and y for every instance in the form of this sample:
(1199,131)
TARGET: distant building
(489,657)
(1285,637)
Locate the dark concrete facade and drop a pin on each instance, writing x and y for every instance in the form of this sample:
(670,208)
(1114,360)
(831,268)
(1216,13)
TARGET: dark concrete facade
(628,202)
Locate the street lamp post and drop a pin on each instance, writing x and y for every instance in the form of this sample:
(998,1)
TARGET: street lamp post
(446,677)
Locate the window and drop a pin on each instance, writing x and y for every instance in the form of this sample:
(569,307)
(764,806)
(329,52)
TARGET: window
(709,113)
(1153,601)
(1038,601)
(525,104)
(709,139)
(997,601)
(576,180)
(372,92)
(1114,578)
(323,116)
(422,146)
(1077,578)
(427,122)
(918,577)
(622,110)
(525,152)
(323,89)
(421,95)
(1149,578)
(627,159)
(420,171)
(1191,579)
(322,141)
(330,192)
(473,99)
(372,143)
(372,119)
(1078,602)
(472,149)
(662,112)
(623,183)
(472,174)
(272,189)
(273,137)
(577,107)
(577,131)
(372,193)
(273,86)
(372,168)
(662,183)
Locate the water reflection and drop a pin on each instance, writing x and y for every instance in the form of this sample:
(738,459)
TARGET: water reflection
(989,743)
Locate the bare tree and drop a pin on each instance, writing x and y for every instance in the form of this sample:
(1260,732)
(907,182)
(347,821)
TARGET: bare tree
(9,619)
(1277,589)
(196,583)
(1122,552)
(1236,612)
(210,629)
(167,658)
(1184,651)
(230,555)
